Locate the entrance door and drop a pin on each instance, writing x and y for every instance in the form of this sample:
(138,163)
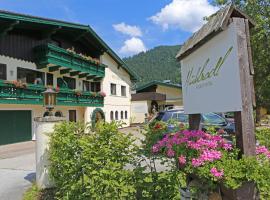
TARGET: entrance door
(72,115)
(15,126)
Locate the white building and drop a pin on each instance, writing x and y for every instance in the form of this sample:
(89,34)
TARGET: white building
(36,53)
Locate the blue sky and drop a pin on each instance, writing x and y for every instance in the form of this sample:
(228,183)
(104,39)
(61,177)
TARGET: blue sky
(127,26)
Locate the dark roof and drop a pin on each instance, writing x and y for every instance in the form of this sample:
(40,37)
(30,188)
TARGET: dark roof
(154,83)
(75,26)
(154,96)
(217,22)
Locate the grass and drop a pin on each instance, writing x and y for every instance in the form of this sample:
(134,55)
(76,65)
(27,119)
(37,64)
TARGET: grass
(31,193)
(34,193)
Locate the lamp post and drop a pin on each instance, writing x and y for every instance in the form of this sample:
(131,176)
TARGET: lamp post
(49,100)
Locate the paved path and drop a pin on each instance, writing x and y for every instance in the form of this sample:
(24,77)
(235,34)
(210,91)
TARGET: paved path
(17,169)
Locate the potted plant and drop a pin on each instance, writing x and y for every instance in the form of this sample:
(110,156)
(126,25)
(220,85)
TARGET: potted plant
(19,84)
(102,94)
(78,93)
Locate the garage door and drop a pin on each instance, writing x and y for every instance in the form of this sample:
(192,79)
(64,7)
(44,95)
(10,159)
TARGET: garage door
(15,126)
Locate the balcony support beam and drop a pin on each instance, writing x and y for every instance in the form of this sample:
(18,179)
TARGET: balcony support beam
(41,66)
(83,75)
(54,68)
(97,79)
(91,77)
(5,29)
(50,32)
(80,36)
(65,71)
(75,73)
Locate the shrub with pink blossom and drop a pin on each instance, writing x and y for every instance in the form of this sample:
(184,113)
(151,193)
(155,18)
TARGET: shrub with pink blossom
(215,160)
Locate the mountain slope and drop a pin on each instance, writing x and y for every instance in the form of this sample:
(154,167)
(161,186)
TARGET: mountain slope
(158,63)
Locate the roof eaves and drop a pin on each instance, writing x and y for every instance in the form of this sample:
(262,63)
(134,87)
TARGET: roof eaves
(34,19)
(108,50)
(40,20)
(218,22)
(156,82)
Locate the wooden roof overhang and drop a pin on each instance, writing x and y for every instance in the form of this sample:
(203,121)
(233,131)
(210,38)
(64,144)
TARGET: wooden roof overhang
(153,96)
(216,23)
(73,31)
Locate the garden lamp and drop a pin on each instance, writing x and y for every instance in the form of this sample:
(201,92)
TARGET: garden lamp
(49,100)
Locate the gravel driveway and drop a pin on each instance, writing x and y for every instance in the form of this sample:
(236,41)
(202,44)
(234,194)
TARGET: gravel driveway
(17,169)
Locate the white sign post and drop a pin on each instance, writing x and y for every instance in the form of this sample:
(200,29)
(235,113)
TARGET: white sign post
(210,75)
(217,76)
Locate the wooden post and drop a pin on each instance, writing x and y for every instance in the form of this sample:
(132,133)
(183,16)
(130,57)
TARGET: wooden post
(194,121)
(245,129)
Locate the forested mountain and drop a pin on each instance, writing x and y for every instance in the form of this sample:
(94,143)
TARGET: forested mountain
(158,63)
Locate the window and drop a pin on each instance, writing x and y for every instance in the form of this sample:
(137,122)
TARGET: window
(180,117)
(86,86)
(113,89)
(72,115)
(123,91)
(122,115)
(58,114)
(111,115)
(95,86)
(49,79)
(46,114)
(30,76)
(126,115)
(3,71)
(66,82)
(116,115)
(213,119)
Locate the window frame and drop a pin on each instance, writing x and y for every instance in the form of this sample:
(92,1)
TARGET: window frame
(111,115)
(4,68)
(25,71)
(123,92)
(116,115)
(52,76)
(85,86)
(115,90)
(65,78)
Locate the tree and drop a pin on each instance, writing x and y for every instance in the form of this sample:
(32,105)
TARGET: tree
(259,11)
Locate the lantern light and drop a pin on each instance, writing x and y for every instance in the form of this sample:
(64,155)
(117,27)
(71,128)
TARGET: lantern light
(49,100)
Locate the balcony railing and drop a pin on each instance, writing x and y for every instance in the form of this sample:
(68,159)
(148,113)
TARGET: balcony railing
(51,56)
(11,93)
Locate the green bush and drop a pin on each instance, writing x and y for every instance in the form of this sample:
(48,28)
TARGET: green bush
(263,136)
(106,164)
(90,165)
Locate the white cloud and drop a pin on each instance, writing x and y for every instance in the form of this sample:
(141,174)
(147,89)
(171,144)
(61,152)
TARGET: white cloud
(133,31)
(132,46)
(184,14)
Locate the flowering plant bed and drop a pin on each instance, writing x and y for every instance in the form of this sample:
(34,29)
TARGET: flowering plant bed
(215,161)
(17,84)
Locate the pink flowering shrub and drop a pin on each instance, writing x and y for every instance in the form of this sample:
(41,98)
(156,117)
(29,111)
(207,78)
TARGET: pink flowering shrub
(214,160)
(262,150)
(102,94)
(192,148)
(217,173)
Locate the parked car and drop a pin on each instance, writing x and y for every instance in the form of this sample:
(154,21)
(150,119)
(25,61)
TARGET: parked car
(207,120)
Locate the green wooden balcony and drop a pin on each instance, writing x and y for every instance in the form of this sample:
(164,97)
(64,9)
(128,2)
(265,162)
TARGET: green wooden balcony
(56,58)
(32,94)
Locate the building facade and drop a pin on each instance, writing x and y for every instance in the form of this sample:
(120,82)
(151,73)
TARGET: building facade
(153,97)
(36,53)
